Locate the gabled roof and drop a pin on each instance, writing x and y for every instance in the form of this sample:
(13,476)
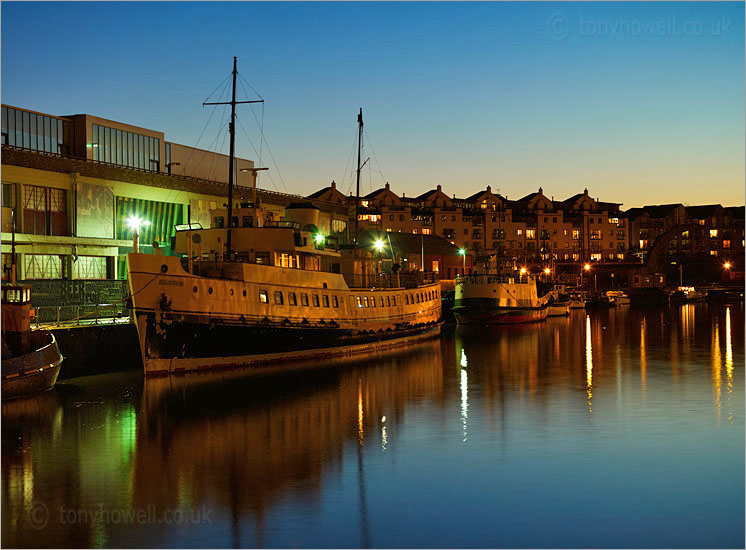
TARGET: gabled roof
(703,211)
(426,195)
(660,210)
(736,211)
(574,198)
(320,192)
(634,213)
(528,198)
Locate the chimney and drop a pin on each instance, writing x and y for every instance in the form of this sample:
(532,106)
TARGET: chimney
(334,185)
(541,191)
(585,191)
(403,195)
(387,186)
(439,188)
(489,189)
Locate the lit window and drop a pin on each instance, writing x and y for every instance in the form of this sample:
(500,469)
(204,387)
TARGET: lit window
(713,233)
(726,244)
(278,298)
(325,300)
(304,300)
(315,299)
(335,302)
(713,252)
(292,299)
(596,257)
(263,296)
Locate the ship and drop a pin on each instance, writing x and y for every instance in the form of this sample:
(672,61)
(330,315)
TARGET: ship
(271,292)
(31,359)
(498,299)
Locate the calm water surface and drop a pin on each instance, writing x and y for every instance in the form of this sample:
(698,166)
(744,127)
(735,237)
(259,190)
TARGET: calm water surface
(624,428)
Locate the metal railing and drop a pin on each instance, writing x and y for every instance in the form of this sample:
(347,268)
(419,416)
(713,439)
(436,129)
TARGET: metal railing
(80,315)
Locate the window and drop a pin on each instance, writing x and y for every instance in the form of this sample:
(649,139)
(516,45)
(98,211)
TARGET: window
(127,148)
(713,233)
(713,252)
(292,299)
(726,244)
(278,298)
(365,301)
(611,232)
(36,132)
(590,220)
(263,296)
(43,266)
(391,217)
(596,257)
(44,210)
(89,267)
(401,217)
(600,220)
(406,299)
(315,300)
(388,301)
(335,302)
(372,301)
(381,301)
(576,234)
(304,299)
(519,232)
(359,301)
(325,300)
(417,298)
(554,220)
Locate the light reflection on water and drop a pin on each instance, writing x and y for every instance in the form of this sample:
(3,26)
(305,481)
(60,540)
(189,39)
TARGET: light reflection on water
(481,438)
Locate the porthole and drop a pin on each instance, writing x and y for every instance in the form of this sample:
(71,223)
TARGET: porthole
(194,289)
(244,293)
(231,292)
(209,290)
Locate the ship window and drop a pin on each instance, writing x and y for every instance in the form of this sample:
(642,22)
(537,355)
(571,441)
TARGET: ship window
(388,301)
(359,301)
(231,292)
(292,299)
(209,290)
(263,296)
(304,299)
(393,300)
(335,302)
(244,292)
(381,301)
(194,289)
(325,300)
(365,301)
(278,297)
(372,301)
(406,299)
(417,298)
(315,299)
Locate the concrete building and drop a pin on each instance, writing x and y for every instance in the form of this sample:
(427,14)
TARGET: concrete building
(79,185)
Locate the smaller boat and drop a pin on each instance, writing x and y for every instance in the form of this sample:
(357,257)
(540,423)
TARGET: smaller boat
(31,360)
(577,300)
(559,308)
(687,294)
(498,299)
(599,300)
(620,298)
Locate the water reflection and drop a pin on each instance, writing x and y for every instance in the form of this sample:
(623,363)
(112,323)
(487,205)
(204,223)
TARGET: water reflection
(588,362)
(295,460)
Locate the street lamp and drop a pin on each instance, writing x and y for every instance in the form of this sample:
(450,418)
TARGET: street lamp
(135,223)
(378,245)
(318,238)
(462,251)
(523,272)
(726,265)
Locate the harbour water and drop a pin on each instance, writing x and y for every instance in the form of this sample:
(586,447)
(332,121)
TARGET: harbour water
(616,428)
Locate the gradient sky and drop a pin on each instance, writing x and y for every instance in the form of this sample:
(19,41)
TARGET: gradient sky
(643,103)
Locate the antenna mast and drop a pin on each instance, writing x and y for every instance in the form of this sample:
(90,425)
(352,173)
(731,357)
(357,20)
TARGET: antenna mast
(231,158)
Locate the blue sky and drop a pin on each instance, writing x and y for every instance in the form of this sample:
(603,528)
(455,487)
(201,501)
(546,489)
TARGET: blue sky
(640,102)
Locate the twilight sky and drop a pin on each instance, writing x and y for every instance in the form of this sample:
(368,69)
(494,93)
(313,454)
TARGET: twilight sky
(643,103)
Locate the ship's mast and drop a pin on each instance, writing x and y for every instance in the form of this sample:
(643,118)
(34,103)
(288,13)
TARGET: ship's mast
(231,158)
(359,168)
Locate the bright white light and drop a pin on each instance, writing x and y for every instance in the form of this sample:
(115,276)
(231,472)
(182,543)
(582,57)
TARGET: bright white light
(135,223)
(318,238)
(379,245)
(464,361)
